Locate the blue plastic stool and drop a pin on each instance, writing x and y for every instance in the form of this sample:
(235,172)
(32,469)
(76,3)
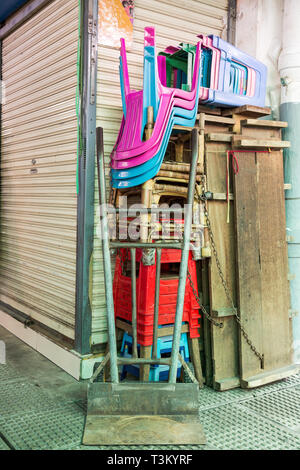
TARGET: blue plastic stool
(164,346)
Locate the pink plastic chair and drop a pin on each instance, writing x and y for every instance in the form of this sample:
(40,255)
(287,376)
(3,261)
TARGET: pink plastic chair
(130,143)
(215,64)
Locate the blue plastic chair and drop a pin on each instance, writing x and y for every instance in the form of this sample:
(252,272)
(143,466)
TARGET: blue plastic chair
(230,54)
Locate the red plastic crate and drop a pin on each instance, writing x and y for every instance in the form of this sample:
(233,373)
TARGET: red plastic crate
(145,330)
(146,293)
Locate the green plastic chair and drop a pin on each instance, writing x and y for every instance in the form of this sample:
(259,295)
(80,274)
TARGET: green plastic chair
(182,60)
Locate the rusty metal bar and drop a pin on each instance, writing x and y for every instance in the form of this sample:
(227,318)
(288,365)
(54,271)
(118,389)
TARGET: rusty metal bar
(140,360)
(133,302)
(184,259)
(156,303)
(173,245)
(106,259)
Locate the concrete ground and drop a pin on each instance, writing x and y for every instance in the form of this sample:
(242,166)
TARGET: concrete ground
(42,407)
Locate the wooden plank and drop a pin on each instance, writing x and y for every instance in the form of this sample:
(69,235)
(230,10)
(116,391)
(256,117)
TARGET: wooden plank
(263,123)
(247,111)
(218,137)
(260,133)
(183,128)
(227,384)
(206,324)
(208,110)
(176,176)
(223,312)
(226,338)
(222,196)
(270,376)
(215,128)
(248,260)
(219,119)
(180,167)
(215,159)
(145,368)
(273,261)
(226,365)
(262,264)
(195,356)
(239,141)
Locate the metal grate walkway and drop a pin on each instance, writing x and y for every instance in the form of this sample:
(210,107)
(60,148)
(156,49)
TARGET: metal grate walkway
(33,416)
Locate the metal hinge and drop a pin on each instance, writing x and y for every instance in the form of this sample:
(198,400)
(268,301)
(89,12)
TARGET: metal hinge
(92,30)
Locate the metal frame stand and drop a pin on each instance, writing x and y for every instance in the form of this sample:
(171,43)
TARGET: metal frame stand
(143,413)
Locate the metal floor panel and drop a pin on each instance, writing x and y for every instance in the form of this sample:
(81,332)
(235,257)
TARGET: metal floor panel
(209,398)
(282,406)
(9,374)
(3,446)
(293,379)
(34,417)
(154,448)
(232,427)
(52,429)
(20,397)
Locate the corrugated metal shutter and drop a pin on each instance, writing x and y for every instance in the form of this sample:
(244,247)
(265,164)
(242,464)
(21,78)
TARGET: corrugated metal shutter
(175,21)
(38,167)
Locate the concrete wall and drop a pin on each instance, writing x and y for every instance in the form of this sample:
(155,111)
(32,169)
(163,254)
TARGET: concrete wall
(289,67)
(269,30)
(258,32)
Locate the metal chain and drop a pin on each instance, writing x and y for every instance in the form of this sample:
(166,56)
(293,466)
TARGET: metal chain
(208,316)
(123,262)
(203,198)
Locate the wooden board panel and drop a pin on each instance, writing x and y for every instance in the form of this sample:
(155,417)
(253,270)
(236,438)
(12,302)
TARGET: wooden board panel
(263,123)
(225,366)
(263,291)
(247,111)
(274,261)
(250,143)
(204,283)
(218,137)
(215,160)
(260,133)
(248,259)
(219,119)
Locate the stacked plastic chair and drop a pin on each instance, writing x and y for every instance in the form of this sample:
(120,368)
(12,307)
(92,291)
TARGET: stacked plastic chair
(212,72)
(133,160)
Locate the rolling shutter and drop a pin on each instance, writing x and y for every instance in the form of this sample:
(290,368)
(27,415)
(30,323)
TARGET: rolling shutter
(175,21)
(38,167)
